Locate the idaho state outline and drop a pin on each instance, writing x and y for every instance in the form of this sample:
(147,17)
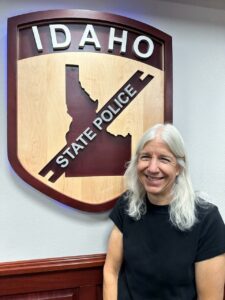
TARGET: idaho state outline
(105,155)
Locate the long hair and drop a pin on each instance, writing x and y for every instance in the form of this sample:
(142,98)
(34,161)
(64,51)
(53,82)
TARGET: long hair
(182,206)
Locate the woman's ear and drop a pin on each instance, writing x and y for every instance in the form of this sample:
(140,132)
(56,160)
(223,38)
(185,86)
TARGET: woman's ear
(178,167)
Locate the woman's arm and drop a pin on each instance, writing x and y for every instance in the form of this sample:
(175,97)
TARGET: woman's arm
(210,278)
(112,265)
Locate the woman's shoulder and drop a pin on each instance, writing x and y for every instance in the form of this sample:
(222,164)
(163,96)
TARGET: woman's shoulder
(122,202)
(206,211)
(204,207)
(211,230)
(120,205)
(118,213)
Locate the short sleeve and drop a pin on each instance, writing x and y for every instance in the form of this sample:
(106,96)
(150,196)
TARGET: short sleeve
(118,213)
(211,241)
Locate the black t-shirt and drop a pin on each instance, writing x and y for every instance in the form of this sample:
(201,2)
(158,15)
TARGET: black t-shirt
(159,258)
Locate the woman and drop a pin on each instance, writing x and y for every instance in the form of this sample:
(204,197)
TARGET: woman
(167,243)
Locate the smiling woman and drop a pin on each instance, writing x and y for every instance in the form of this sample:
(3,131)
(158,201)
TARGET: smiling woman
(156,221)
(157,170)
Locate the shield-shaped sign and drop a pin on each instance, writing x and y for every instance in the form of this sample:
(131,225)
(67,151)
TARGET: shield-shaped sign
(83,86)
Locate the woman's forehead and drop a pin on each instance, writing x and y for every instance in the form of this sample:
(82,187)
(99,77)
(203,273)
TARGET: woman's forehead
(156,145)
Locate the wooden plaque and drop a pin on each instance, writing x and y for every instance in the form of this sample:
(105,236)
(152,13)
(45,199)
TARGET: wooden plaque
(83,86)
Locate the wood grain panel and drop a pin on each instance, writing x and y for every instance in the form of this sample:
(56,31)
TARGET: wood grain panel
(43,117)
(26,75)
(88,292)
(77,278)
(50,295)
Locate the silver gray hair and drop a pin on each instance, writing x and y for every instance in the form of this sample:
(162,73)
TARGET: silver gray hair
(182,207)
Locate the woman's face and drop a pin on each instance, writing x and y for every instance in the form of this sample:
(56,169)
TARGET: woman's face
(157,169)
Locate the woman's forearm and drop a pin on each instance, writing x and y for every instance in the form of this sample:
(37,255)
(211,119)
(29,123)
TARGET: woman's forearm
(110,285)
(112,265)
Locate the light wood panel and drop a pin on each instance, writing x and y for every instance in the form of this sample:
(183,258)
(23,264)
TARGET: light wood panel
(43,119)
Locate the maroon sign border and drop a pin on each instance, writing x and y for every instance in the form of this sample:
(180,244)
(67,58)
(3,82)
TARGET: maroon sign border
(25,20)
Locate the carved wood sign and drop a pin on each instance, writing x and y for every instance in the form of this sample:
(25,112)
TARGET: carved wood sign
(83,86)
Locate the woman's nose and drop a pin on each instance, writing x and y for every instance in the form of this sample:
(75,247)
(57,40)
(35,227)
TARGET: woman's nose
(153,165)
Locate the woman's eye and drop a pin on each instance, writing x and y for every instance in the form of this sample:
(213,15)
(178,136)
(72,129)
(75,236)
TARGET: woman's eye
(165,159)
(144,157)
